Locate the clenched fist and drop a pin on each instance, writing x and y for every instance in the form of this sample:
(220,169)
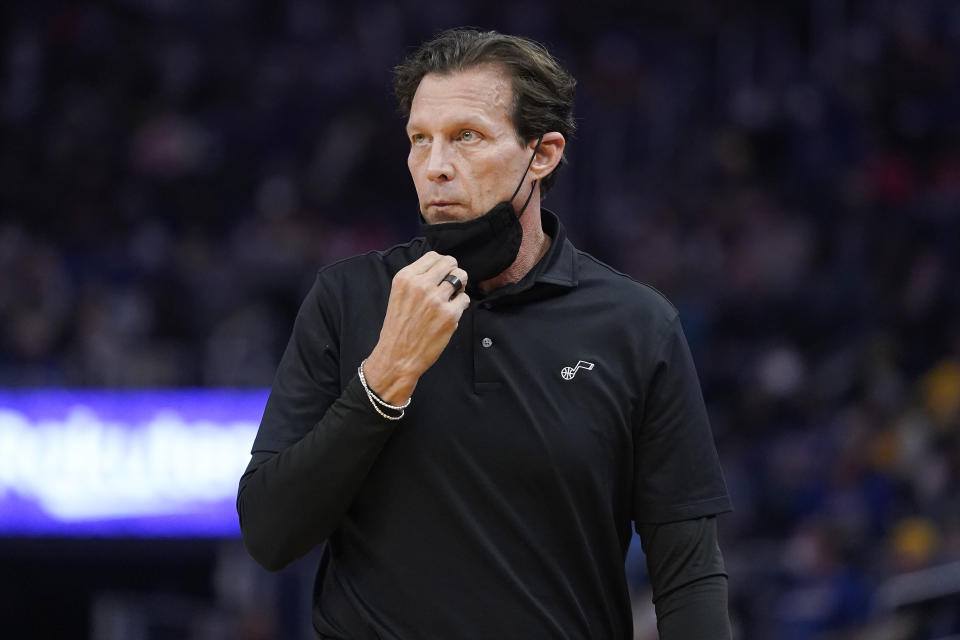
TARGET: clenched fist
(422,313)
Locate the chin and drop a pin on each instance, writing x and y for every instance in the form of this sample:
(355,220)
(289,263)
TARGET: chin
(433,215)
(441,218)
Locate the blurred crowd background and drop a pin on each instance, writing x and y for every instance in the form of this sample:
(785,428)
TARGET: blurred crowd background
(173,173)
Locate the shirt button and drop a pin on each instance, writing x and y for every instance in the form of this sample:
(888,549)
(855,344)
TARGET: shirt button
(487,342)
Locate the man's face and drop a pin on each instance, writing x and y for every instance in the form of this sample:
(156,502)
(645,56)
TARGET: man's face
(464,153)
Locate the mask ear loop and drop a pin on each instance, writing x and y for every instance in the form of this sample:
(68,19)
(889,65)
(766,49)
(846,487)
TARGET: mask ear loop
(533,184)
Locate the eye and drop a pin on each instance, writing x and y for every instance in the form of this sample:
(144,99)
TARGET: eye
(418,139)
(468,135)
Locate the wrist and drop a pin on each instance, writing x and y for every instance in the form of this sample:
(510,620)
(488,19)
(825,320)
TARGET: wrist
(389,380)
(385,409)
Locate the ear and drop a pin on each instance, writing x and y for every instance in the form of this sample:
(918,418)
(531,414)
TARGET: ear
(548,155)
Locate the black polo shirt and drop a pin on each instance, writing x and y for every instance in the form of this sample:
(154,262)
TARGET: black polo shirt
(565,408)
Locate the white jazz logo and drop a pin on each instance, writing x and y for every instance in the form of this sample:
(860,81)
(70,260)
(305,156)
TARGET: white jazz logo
(567,373)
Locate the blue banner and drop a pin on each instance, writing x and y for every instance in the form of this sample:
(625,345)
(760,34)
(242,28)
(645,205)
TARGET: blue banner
(124,463)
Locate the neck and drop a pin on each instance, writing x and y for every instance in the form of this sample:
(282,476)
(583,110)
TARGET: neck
(532,248)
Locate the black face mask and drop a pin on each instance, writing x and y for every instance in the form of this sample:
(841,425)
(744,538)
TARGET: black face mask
(484,247)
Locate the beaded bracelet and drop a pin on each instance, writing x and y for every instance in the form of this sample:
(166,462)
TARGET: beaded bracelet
(378,402)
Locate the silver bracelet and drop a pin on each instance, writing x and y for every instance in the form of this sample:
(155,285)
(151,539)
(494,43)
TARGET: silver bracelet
(377,402)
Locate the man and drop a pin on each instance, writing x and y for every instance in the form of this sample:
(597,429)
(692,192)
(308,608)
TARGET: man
(471,421)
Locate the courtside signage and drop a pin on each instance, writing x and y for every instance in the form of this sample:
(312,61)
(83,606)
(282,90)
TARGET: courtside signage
(124,463)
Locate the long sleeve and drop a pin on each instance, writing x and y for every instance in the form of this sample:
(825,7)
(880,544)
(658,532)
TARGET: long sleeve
(688,578)
(316,443)
(289,502)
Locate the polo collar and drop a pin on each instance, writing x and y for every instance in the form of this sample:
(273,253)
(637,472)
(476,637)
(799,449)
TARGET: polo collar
(559,265)
(554,273)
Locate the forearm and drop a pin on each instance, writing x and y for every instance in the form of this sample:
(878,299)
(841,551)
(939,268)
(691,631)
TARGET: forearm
(289,502)
(688,579)
(696,611)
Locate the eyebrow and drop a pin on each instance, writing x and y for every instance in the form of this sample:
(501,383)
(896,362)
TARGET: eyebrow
(476,122)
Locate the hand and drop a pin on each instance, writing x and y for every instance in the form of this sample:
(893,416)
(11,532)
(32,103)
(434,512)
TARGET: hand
(422,313)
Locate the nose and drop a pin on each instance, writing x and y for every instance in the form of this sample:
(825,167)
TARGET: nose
(439,165)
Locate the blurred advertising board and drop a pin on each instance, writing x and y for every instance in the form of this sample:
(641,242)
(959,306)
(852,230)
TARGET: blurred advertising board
(157,463)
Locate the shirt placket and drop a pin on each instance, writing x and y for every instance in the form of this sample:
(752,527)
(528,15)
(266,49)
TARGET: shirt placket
(484,344)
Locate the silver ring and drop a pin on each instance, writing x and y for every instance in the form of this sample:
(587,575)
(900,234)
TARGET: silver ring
(455,281)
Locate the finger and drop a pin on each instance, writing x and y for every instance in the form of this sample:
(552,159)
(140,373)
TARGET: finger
(461,299)
(440,268)
(425,262)
(463,275)
(451,289)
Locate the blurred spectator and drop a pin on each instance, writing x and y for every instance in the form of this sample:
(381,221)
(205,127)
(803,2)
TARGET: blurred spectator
(173,174)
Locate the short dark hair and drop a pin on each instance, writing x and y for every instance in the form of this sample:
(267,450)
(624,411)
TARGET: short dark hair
(542,89)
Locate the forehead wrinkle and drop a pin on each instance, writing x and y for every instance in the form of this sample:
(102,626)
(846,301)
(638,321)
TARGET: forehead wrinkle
(437,92)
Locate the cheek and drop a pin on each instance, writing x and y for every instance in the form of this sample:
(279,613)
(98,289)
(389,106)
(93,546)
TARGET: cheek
(414,167)
(498,181)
